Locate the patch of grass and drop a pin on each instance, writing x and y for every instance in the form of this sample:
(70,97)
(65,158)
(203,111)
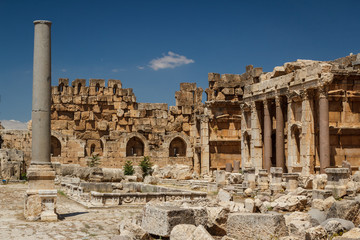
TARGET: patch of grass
(86,225)
(100,227)
(61,193)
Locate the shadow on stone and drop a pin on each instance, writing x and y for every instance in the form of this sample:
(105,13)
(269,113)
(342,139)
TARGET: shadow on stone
(63,216)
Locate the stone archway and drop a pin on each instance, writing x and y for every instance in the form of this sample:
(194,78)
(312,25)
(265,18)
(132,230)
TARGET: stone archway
(177,148)
(134,147)
(55,147)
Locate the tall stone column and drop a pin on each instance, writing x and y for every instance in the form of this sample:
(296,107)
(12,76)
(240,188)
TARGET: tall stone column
(324,135)
(280,159)
(205,148)
(40,199)
(256,146)
(245,148)
(307,142)
(267,137)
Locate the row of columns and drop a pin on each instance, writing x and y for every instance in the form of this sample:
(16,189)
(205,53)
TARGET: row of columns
(324,135)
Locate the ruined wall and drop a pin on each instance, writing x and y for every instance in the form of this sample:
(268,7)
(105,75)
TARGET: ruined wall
(94,119)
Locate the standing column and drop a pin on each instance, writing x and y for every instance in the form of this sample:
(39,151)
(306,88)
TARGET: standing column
(41,195)
(324,135)
(256,143)
(41,101)
(205,148)
(267,137)
(279,134)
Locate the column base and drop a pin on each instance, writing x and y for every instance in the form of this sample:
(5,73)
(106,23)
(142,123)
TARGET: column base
(40,198)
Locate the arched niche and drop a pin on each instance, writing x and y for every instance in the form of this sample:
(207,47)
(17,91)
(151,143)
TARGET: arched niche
(55,147)
(183,137)
(135,147)
(177,148)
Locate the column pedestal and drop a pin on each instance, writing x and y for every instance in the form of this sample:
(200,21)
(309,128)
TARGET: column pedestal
(40,198)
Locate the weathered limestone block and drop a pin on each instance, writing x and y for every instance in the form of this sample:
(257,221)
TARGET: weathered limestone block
(256,226)
(345,209)
(224,196)
(297,223)
(316,233)
(11,162)
(182,232)
(292,181)
(59,124)
(337,179)
(134,230)
(263,180)
(337,225)
(290,203)
(160,220)
(276,179)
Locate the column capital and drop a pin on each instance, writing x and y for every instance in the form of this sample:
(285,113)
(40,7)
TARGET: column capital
(245,107)
(266,103)
(323,91)
(278,100)
(43,22)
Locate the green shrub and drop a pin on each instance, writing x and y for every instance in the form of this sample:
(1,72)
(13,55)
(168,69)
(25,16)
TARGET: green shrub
(128,168)
(146,165)
(94,161)
(23,176)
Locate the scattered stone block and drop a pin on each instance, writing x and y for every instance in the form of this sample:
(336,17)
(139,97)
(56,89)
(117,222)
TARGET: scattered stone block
(256,226)
(160,220)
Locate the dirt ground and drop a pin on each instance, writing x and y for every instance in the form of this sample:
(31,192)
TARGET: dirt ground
(77,221)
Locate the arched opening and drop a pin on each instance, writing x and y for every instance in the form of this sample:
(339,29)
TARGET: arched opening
(79,88)
(134,147)
(248,146)
(97,87)
(297,144)
(55,147)
(61,87)
(115,89)
(1,142)
(92,149)
(177,148)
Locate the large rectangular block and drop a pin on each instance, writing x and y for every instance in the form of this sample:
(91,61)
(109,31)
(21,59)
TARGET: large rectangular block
(160,220)
(256,226)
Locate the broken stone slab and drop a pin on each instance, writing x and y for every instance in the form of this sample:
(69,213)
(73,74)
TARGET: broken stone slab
(161,219)
(224,196)
(217,218)
(337,225)
(345,209)
(256,226)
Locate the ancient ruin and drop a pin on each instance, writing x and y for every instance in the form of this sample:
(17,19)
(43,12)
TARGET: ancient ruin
(268,155)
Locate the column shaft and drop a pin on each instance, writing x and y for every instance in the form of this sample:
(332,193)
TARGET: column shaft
(41,101)
(279,135)
(267,137)
(324,135)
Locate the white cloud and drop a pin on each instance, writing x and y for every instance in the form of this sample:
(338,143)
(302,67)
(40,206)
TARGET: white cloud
(64,70)
(141,67)
(115,70)
(172,60)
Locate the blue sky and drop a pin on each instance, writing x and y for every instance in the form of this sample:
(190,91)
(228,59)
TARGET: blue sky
(153,46)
